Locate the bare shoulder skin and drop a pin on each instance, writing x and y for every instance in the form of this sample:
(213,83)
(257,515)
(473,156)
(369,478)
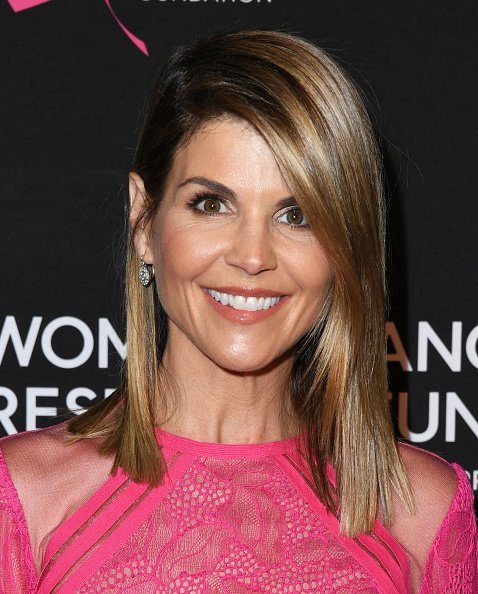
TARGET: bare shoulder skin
(434,484)
(52,478)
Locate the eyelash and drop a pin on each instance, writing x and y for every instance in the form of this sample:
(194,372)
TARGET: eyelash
(203,196)
(291,209)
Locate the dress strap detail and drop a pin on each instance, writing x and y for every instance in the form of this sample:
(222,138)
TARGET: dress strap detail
(86,539)
(380,555)
(11,496)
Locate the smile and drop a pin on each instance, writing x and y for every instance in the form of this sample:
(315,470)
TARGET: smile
(244,303)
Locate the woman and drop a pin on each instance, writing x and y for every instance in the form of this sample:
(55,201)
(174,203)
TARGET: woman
(250,447)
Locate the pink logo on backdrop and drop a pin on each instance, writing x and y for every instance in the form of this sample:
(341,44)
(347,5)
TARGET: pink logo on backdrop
(18,5)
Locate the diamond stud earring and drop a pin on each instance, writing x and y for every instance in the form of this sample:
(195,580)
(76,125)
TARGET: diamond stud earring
(146,273)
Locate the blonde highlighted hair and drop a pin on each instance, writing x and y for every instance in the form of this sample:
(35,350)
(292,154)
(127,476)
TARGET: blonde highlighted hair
(315,122)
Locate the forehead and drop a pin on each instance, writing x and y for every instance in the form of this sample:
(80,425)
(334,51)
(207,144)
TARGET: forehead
(232,152)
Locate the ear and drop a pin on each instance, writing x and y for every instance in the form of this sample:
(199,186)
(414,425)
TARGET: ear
(137,197)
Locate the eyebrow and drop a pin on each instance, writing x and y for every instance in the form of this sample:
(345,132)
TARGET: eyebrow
(212,185)
(219,188)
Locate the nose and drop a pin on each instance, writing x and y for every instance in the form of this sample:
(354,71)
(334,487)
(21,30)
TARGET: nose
(251,248)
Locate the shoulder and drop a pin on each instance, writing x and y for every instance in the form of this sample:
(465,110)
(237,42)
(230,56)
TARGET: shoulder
(438,488)
(46,459)
(46,454)
(433,481)
(52,477)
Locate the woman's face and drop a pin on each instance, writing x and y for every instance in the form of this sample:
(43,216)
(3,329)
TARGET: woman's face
(239,273)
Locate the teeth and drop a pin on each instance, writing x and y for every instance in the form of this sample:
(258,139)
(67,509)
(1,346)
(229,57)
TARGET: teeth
(244,303)
(251,304)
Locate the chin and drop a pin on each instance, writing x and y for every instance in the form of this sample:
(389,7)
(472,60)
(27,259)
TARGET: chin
(247,363)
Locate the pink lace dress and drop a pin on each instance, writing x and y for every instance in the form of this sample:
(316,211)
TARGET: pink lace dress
(229,519)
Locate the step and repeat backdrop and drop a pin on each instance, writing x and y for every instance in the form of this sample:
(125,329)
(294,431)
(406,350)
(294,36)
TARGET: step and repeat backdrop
(75,74)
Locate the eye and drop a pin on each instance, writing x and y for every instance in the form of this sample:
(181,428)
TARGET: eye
(208,204)
(211,205)
(292,216)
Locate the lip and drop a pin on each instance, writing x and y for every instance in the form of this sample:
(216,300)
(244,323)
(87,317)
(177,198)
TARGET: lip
(246,291)
(240,316)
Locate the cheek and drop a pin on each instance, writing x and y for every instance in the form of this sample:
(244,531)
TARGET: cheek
(181,253)
(311,271)
(313,275)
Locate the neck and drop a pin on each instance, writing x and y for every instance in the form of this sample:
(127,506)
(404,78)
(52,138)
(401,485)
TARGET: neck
(218,405)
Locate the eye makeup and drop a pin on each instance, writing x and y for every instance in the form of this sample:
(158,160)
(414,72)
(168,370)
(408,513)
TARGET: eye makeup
(294,217)
(214,204)
(205,196)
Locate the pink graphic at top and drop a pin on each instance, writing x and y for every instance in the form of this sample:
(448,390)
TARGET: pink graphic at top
(18,5)
(138,42)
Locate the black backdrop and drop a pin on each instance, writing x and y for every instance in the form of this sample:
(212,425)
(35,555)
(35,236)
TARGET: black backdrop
(74,77)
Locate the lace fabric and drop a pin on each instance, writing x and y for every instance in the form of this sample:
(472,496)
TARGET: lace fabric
(452,565)
(229,519)
(17,570)
(233,526)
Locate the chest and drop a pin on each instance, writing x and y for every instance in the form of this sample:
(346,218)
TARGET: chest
(215,526)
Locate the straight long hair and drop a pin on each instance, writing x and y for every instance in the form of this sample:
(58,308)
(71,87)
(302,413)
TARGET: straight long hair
(315,123)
